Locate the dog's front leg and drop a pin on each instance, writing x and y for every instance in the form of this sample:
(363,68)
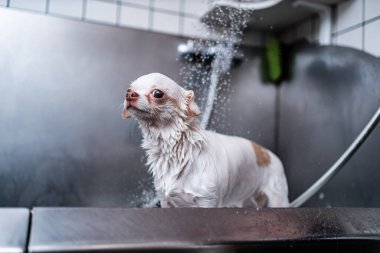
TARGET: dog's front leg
(179,200)
(207,202)
(188,200)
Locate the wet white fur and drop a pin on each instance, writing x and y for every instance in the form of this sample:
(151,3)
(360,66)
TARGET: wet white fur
(193,167)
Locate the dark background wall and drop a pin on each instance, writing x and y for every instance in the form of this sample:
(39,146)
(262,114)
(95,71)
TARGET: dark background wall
(63,143)
(62,140)
(333,93)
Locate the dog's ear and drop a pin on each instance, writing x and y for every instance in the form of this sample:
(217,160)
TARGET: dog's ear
(192,109)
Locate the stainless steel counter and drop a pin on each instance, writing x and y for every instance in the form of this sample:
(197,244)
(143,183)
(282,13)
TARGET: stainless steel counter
(14,223)
(214,230)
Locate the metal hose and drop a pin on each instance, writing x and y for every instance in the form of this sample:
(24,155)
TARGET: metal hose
(338,165)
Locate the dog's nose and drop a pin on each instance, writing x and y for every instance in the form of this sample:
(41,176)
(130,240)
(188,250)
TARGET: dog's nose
(131,95)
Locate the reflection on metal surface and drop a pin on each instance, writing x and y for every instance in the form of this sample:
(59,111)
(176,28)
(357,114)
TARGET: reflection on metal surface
(11,250)
(189,230)
(14,223)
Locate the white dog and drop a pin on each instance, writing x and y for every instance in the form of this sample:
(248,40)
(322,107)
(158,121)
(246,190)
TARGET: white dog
(193,167)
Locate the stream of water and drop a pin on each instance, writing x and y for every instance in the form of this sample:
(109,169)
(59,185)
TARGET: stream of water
(209,77)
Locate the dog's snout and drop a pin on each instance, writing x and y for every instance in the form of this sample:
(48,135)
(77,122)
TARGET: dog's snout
(131,95)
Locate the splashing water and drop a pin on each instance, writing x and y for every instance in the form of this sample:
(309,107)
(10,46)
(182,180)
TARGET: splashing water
(221,64)
(226,25)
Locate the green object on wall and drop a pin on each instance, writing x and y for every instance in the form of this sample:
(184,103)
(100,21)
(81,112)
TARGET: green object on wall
(273,54)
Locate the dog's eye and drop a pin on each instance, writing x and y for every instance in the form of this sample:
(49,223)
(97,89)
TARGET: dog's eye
(157,94)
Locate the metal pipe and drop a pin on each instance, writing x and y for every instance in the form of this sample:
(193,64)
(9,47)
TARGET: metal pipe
(338,165)
(324,12)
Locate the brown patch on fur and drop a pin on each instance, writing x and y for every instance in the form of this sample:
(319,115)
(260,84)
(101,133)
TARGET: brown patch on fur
(261,199)
(262,155)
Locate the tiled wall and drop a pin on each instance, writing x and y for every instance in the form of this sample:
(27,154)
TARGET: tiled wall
(178,17)
(356,24)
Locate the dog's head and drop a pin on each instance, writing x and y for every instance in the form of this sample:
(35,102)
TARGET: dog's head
(155,98)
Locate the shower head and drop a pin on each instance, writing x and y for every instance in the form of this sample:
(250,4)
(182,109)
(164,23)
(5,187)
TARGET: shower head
(247,4)
(227,16)
(262,15)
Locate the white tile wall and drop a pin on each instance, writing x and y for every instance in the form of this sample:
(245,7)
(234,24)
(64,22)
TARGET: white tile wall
(182,17)
(137,2)
(166,23)
(197,7)
(351,29)
(349,13)
(100,11)
(351,24)
(70,8)
(134,17)
(372,8)
(194,28)
(173,5)
(34,5)
(372,38)
(351,39)
(179,17)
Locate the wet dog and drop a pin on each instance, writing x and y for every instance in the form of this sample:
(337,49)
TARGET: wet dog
(193,167)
